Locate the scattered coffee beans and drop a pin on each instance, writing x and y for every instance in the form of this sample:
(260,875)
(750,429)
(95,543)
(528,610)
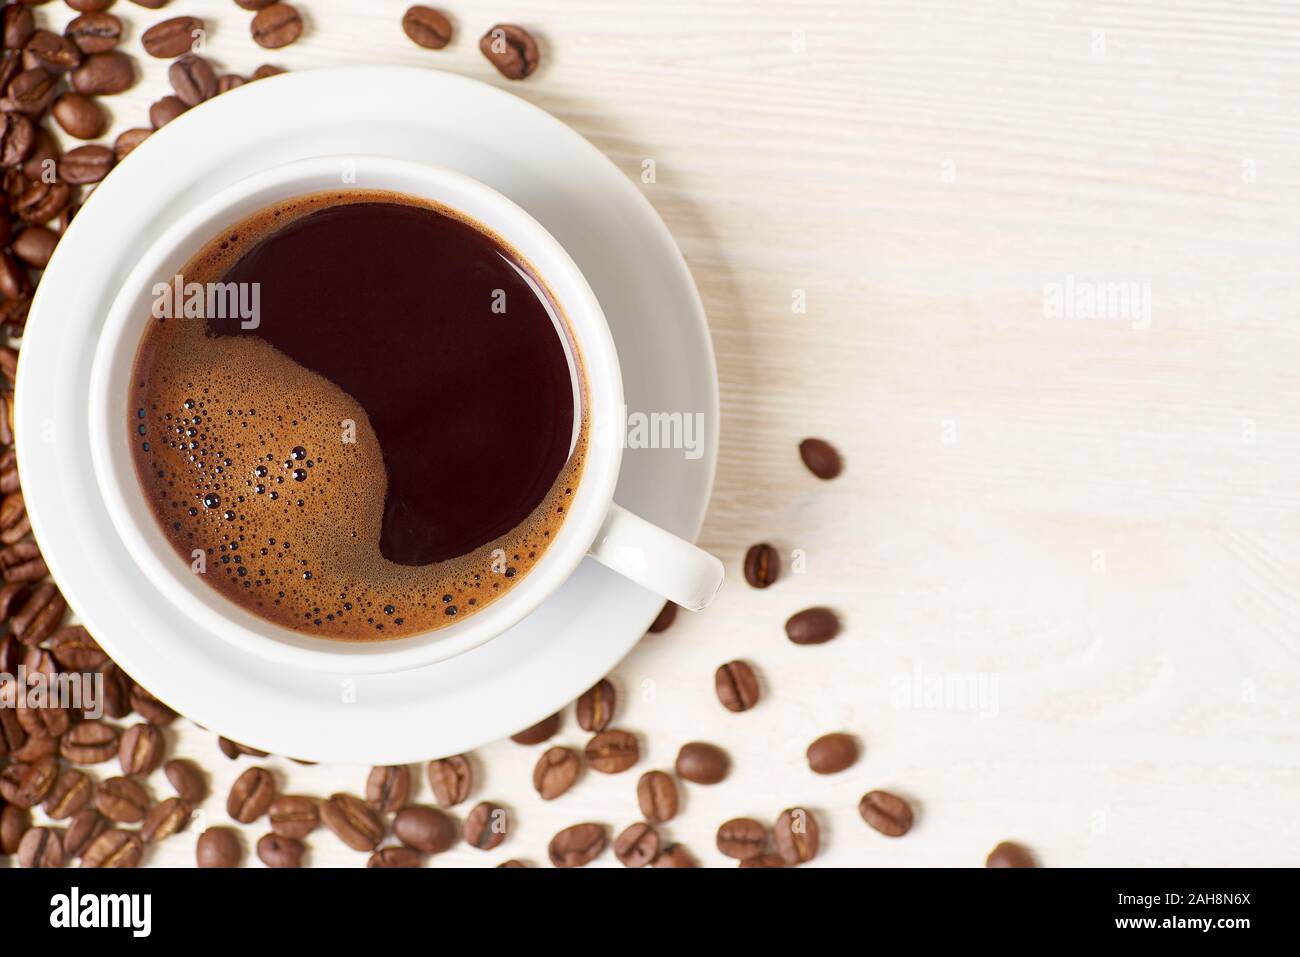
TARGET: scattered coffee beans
(736,686)
(276,25)
(611,752)
(742,838)
(294,816)
(663,621)
(71,792)
(451,779)
(763,860)
(165,819)
(555,772)
(832,753)
(424,828)
(674,855)
(94,32)
(637,846)
(812,626)
(171,38)
(273,850)
(395,855)
(219,847)
(702,763)
(251,795)
(186,780)
(762,565)
(796,835)
(511,49)
(354,822)
(122,800)
(427,27)
(486,826)
(40,847)
(577,845)
(1009,854)
(596,706)
(140,750)
(86,825)
(387,788)
(656,793)
(541,731)
(90,742)
(821,458)
(113,848)
(887,813)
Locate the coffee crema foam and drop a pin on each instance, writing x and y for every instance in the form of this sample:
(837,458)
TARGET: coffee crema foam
(242,455)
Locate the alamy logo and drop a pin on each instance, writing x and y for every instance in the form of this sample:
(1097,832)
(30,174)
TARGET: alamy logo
(179,299)
(1079,299)
(74,909)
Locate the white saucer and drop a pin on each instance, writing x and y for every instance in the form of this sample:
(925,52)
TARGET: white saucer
(590,206)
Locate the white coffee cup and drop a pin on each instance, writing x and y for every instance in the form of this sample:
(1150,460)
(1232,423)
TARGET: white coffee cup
(596,526)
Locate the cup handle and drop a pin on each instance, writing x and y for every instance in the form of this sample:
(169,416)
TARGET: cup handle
(656,559)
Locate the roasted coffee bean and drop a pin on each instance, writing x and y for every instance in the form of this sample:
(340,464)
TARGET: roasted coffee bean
(165,110)
(656,793)
(46,722)
(764,861)
(11,649)
(40,847)
(229,81)
(72,646)
(19,26)
(611,752)
(122,800)
(539,732)
(17,135)
(251,795)
(86,825)
(104,73)
(128,140)
(273,850)
(887,813)
(13,509)
(596,706)
(702,763)
(32,91)
(674,855)
(736,686)
(23,562)
(395,855)
(388,788)
(266,70)
(294,816)
(577,845)
(354,822)
(424,828)
(812,626)
(667,615)
(171,38)
(451,779)
(821,458)
(254,4)
(113,848)
(555,772)
(40,613)
(80,116)
(9,366)
(55,53)
(8,472)
(14,823)
(1009,854)
(742,838)
(511,49)
(140,750)
(165,819)
(428,27)
(14,282)
(117,691)
(796,835)
(186,780)
(832,753)
(36,748)
(193,79)
(486,826)
(276,26)
(71,792)
(84,6)
(512,863)
(40,201)
(94,32)
(26,784)
(150,708)
(89,742)
(762,565)
(637,846)
(218,847)
(12,734)
(228,748)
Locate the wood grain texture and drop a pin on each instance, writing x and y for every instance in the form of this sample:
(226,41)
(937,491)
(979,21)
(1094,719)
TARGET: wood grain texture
(1093,521)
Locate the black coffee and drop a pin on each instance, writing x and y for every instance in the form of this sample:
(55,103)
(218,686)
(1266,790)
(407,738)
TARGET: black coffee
(358,415)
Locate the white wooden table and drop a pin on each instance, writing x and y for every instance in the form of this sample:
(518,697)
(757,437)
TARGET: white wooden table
(1089,518)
